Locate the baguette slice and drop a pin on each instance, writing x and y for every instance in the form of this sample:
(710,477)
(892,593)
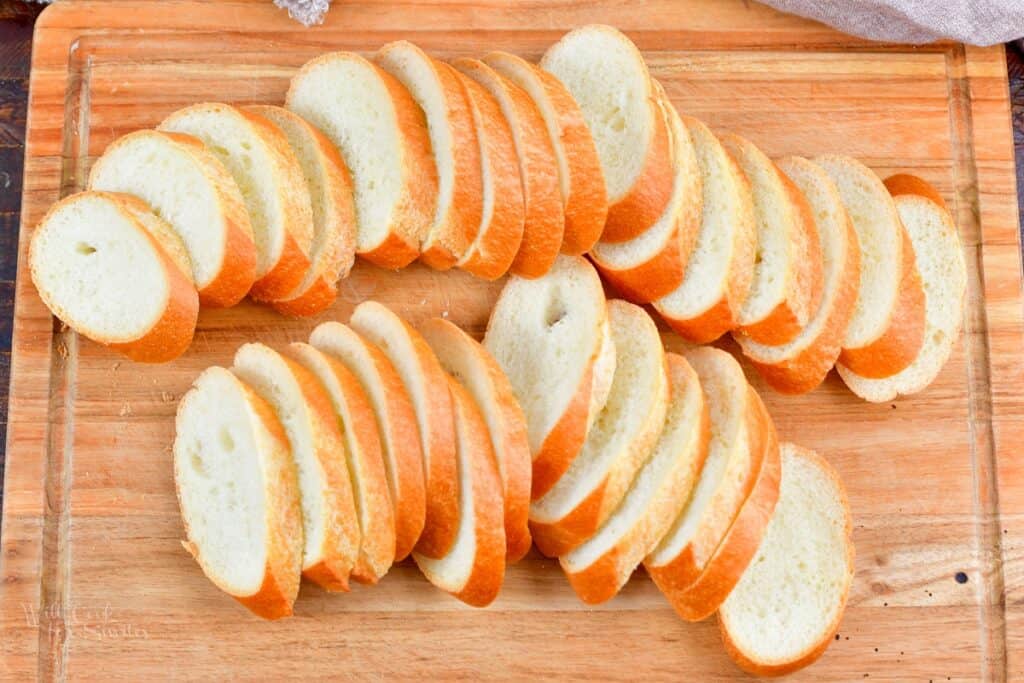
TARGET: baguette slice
(204,206)
(606,74)
(382,135)
(438,90)
(580,181)
(618,444)
(886,330)
(259,158)
(476,370)
(358,427)
(707,303)
(330,525)
(396,424)
(786,609)
(332,250)
(802,364)
(549,337)
(425,381)
(599,567)
(117,274)
(473,569)
(940,261)
(786,287)
(238,493)
(544,218)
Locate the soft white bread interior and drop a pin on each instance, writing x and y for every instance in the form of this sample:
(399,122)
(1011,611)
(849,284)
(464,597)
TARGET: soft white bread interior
(786,609)
(238,493)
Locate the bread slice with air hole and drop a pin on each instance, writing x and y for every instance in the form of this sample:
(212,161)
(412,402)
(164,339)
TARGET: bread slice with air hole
(382,136)
(618,444)
(785,611)
(238,493)
(606,74)
(886,330)
(331,551)
(785,287)
(550,337)
(544,218)
(580,181)
(438,90)
(114,272)
(425,381)
(718,274)
(358,428)
(257,155)
(473,568)
(475,369)
(602,564)
(803,363)
(940,261)
(332,250)
(203,206)
(395,421)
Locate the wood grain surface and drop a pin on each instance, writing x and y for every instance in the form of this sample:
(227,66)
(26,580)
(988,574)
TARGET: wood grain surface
(94,582)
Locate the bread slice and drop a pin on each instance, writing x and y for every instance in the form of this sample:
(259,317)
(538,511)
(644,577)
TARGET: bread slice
(544,218)
(358,427)
(382,135)
(801,364)
(887,327)
(473,569)
(330,525)
(602,564)
(238,493)
(718,274)
(425,381)
(395,421)
(618,444)
(115,276)
(259,158)
(606,74)
(652,264)
(204,206)
(785,289)
(940,261)
(332,251)
(548,336)
(476,370)
(438,90)
(786,609)
(580,181)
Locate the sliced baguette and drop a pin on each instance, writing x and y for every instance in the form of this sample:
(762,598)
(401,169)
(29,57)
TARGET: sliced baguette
(606,74)
(438,90)
(544,218)
(261,161)
(330,526)
(476,370)
(382,136)
(601,565)
(332,250)
(204,206)
(802,364)
(239,493)
(395,420)
(117,274)
(707,303)
(473,569)
(619,442)
(580,181)
(786,609)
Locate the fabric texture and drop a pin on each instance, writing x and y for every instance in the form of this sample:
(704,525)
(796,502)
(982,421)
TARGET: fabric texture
(309,12)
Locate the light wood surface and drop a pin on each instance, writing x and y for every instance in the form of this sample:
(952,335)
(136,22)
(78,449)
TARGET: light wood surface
(94,582)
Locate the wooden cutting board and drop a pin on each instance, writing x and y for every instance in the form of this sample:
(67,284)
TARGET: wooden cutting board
(94,581)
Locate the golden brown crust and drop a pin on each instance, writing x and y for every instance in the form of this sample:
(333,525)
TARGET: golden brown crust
(705,328)
(905,183)
(285,276)
(564,441)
